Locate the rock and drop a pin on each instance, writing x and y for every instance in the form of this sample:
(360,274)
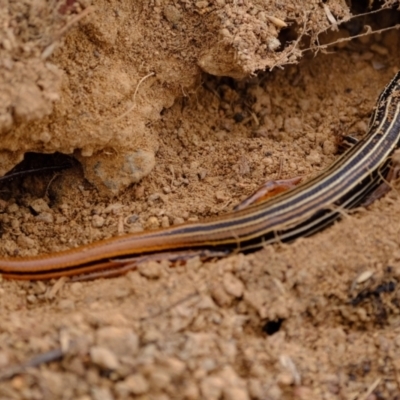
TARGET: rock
(121,341)
(221,61)
(172,14)
(39,206)
(135,384)
(103,358)
(233,285)
(113,173)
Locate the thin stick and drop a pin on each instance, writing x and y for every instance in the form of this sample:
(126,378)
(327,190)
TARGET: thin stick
(48,51)
(49,184)
(348,39)
(134,97)
(13,175)
(73,21)
(44,358)
(281,161)
(370,390)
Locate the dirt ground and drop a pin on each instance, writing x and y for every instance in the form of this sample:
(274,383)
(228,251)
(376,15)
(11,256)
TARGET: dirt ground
(180,80)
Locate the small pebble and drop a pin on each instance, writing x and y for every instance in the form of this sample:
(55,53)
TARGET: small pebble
(64,208)
(328,147)
(178,221)
(285,378)
(233,285)
(172,14)
(18,383)
(60,220)
(39,206)
(25,242)
(292,125)
(136,384)
(121,341)
(153,223)
(314,157)
(97,221)
(174,366)
(364,276)
(15,224)
(277,21)
(202,174)
(132,219)
(104,358)
(12,208)
(201,4)
(151,269)
(136,228)
(220,196)
(361,126)
(220,296)
(113,208)
(66,304)
(45,217)
(165,221)
(31,299)
(273,43)
(225,33)
(39,287)
(153,197)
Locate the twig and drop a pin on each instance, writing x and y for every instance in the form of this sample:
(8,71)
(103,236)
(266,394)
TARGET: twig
(13,175)
(44,358)
(48,51)
(134,97)
(281,161)
(370,390)
(348,39)
(73,21)
(285,56)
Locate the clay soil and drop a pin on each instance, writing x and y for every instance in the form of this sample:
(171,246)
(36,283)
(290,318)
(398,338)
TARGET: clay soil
(315,319)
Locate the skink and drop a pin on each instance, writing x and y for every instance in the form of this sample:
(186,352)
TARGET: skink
(299,212)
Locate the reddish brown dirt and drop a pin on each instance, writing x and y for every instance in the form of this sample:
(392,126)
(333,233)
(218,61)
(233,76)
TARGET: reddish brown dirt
(315,319)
